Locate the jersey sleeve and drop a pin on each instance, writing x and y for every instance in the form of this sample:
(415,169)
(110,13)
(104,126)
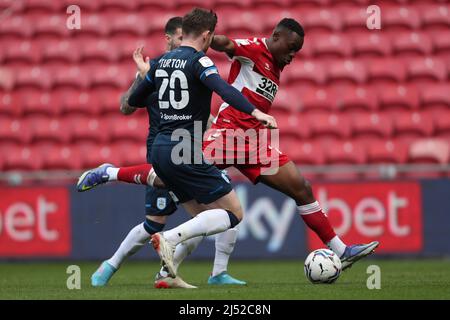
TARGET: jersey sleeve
(248,48)
(203,67)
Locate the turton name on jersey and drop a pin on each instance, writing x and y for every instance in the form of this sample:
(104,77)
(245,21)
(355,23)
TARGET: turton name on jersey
(172,63)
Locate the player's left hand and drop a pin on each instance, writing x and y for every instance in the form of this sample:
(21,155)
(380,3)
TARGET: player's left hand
(267,120)
(142,65)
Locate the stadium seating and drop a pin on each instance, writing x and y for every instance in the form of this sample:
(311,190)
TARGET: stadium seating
(352,95)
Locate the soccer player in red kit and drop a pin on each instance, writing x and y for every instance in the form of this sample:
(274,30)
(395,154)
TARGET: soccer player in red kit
(255,71)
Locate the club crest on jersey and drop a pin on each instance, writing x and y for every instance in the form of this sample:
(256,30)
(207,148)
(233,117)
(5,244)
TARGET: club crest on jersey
(161,203)
(206,62)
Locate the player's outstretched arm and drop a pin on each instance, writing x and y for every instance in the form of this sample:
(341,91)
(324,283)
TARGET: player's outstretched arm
(223,44)
(143,67)
(234,98)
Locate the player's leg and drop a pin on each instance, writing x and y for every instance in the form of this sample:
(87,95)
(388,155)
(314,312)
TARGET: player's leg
(224,245)
(158,205)
(289,181)
(225,213)
(105,173)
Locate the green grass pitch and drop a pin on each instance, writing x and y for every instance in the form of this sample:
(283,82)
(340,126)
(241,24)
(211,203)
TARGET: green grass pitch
(400,279)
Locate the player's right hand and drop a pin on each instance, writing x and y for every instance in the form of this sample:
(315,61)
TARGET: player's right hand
(267,120)
(142,65)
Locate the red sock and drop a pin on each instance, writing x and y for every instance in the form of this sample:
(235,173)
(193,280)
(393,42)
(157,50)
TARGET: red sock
(317,221)
(136,174)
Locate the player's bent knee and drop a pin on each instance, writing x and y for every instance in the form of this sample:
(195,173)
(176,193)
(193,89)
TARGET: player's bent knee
(234,220)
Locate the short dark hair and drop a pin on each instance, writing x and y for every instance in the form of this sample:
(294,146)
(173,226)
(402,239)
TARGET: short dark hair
(198,21)
(291,25)
(172,25)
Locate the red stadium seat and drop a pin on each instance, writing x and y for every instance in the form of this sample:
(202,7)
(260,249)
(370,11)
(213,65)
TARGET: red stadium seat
(331,45)
(415,124)
(53,25)
(125,46)
(66,50)
(219,4)
(88,129)
(345,152)
(45,129)
(10,104)
(241,20)
(16,26)
(371,125)
(44,5)
(109,99)
(442,124)
(23,158)
(94,24)
(322,19)
(75,102)
(286,100)
(435,17)
(189,4)
(326,126)
(94,155)
(14,130)
(129,153)
(430,151)
(426,69)
(320,100)
(72,77)
(99,49)
(62,157)
(131,129)
(386,70)
(40,102)
(87,5)
(441,43)
(371,45)
(22,51)
(436,97)
(387,151)
(354,18)
(400,18)
(114,76)
(130,24)
(411,44)
(356,98)
(347,71)
(398,97)
(293,126)
(33,76)
(305,72)
(129,5)
(304,153)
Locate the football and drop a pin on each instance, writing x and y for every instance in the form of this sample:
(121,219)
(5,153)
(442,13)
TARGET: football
(322,266)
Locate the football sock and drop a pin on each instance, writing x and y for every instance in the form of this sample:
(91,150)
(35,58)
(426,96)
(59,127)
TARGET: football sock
(337,246)
(205,223)
(135,239)
(112,173)
(317,221)
(135,174)
(225,242)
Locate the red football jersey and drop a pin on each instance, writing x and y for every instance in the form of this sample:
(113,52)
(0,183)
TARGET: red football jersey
(254,73)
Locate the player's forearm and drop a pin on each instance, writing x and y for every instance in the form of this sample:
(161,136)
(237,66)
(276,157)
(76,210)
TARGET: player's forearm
(228,93)
(125,108)
(138,97)
(223,44)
